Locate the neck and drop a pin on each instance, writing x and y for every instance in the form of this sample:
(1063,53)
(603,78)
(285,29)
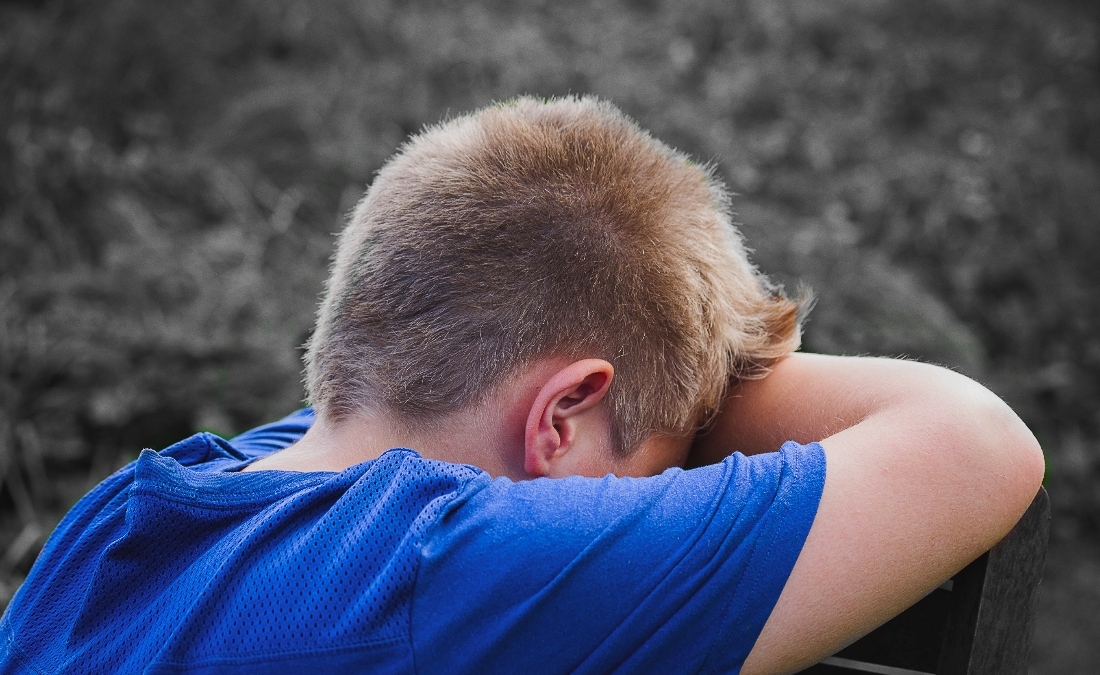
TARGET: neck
(329,446)
(489,436)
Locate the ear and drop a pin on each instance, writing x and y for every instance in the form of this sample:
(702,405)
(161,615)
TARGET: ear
(558,410)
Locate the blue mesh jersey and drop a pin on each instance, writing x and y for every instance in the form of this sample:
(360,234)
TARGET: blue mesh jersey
(180,563)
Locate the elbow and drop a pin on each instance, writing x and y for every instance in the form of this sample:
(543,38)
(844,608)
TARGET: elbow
(1013,462)
(1021,453)
(992,465)
(1033,463)
(1029,462)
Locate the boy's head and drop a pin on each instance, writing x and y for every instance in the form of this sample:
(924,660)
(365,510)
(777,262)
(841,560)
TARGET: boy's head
(532,230)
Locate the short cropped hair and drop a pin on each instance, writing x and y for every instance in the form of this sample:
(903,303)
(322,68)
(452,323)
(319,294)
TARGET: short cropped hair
(532,229)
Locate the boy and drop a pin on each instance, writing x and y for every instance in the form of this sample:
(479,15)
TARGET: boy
(538,291)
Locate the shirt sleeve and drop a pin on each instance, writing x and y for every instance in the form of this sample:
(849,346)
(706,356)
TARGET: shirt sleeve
(268,438)
(674,573)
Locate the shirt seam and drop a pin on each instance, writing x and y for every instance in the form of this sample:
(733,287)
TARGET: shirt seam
(730,469)
(768,546)
(19,654)
(421,537)
(266,656)
(209,501)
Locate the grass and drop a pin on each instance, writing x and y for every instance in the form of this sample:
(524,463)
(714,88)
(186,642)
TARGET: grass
(171,176)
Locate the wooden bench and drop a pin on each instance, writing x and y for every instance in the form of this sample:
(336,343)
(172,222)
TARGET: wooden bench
(977,623)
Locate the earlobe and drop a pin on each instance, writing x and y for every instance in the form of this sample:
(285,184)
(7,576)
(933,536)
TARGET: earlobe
(552,422)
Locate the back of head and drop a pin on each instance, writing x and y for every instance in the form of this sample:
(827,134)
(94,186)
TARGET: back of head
(534,229)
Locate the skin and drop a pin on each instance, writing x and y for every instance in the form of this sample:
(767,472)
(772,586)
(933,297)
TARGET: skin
(551,420)
(926,469)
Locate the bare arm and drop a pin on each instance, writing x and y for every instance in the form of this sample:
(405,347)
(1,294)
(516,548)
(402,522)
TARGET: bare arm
(926,469)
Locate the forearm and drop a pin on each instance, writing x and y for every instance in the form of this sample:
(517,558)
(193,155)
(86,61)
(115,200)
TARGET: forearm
(889,420)
(759,415)
(810,397)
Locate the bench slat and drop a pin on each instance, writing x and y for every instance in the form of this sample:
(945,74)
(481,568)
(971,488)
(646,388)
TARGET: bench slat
(978,623)
(992,636)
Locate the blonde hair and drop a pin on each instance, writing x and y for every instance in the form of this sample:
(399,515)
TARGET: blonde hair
(543,228)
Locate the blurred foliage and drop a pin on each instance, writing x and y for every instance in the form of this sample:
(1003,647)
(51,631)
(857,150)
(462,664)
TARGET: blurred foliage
(171,174)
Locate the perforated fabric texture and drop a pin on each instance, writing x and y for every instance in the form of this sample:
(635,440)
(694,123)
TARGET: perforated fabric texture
(180,563)
(201,566)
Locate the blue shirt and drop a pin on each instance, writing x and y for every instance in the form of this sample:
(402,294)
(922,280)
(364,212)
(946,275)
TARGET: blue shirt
(180,563)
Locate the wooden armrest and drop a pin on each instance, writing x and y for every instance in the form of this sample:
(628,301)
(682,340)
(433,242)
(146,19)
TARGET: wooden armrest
(978,623)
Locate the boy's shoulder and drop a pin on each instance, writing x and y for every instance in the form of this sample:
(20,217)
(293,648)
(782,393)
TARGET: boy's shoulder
(180,558)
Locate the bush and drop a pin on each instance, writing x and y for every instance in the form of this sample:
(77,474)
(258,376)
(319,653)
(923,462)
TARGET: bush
(171,174)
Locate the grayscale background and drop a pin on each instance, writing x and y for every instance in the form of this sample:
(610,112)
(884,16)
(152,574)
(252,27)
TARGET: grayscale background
(171,174)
